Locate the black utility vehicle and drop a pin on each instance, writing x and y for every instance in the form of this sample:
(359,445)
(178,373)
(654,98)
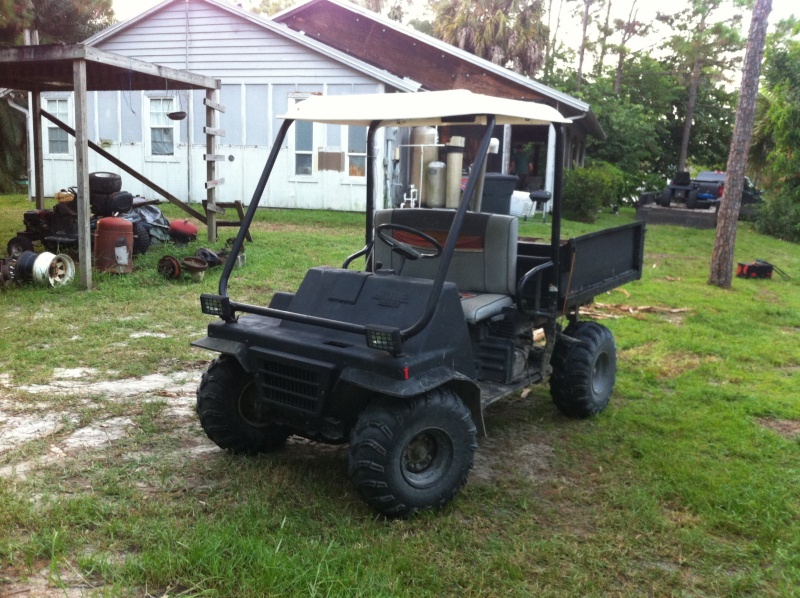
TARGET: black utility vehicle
(400,359)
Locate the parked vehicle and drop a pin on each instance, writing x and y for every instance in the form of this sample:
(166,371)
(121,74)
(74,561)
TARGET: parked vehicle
(710,186)
(401,359)
(705,191)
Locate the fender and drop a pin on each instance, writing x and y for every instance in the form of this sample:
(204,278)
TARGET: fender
(226,347)
(464,387)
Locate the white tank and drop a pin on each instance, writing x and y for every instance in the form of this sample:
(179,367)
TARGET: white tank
(437,181)
(423,152)
(455,164)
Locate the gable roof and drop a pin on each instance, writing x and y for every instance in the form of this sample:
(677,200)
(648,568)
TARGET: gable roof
(435,64)
(400,83)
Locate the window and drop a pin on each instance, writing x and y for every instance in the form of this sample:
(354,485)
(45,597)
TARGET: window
(357,151)
(162,129)
(57,139)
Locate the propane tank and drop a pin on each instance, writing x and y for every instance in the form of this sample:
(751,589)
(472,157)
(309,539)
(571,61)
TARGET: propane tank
(113,246)
(455,163)
(423,152)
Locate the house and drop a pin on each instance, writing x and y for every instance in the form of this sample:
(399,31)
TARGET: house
(265,65)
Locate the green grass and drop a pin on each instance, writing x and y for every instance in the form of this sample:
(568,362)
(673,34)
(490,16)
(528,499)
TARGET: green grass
(681,487)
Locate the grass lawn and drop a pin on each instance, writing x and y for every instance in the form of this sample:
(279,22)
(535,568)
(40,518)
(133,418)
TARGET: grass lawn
(686,485)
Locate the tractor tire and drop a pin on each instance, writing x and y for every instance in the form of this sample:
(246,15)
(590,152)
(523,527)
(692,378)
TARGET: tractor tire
(141,238)
(231,413)
(414,454)
(666,197)
(104,182)
(584,372)
(691,199)
(19,245)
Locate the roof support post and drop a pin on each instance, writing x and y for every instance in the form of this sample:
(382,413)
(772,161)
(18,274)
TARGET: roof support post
(38,156)
(82,167)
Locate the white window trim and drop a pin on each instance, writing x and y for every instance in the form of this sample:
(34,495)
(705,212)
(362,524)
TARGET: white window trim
(316,134)
(348,178)
(47,125)
(176,131)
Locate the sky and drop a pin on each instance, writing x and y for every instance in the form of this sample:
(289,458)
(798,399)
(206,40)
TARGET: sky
(126,9)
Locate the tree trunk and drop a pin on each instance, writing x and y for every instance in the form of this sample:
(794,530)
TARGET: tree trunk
(721,272)
(582,49)
(598,71)
(618,77)
(694,84)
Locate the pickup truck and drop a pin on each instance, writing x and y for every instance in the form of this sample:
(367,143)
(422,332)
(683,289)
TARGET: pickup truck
(705,191)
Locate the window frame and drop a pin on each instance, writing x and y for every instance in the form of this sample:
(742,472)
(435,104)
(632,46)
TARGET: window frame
(294,98)
(174,125)
(49,126)
(346,131)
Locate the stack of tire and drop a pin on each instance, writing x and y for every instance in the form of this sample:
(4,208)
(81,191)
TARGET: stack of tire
(106,198)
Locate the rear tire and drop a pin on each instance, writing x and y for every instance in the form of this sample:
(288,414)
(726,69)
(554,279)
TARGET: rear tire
(691,199)
(584,372)
(407,455)
(104,182)
(141,238)
(232,414)
(19,245)
(666,197)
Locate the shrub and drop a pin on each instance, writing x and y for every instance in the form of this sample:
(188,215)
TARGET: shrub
(779,217)
(588,189)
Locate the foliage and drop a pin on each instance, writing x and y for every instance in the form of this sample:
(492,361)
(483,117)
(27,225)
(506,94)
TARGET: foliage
(777,133)
(57,21)
(506,32)
(588,189)
(12,146)
(272,7)
(779,217)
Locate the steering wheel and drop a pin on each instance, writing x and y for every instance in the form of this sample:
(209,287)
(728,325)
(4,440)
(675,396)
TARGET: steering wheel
(404,249)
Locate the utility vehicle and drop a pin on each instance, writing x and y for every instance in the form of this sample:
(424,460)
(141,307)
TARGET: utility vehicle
(400,359)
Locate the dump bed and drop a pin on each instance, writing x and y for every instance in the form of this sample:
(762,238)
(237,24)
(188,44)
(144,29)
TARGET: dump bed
(589,265)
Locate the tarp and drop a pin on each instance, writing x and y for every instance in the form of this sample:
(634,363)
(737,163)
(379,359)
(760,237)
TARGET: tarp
(432,108)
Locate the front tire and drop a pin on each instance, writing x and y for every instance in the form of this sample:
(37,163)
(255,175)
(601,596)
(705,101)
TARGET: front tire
(584,372)
(413,454)
(231,412)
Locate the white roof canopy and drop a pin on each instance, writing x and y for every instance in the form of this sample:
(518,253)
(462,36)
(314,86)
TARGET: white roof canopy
(432,108)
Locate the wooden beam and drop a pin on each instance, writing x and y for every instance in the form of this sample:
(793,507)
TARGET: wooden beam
(82,168)
(139,177)
(214,157)
(214,105)
(211,166)
(38,155)
(213,131)
(215,183)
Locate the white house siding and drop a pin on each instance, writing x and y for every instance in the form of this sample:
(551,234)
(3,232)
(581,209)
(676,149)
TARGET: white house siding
(259,69)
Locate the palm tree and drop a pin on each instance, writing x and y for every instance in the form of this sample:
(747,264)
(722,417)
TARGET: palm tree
(509,33)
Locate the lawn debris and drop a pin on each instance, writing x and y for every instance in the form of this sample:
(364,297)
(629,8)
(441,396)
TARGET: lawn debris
(606,311)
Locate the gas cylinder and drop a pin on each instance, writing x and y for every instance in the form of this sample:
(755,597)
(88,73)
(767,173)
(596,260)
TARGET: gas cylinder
(113,245)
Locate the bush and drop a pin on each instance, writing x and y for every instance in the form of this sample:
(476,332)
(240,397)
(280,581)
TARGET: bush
(588,189)
(779,217)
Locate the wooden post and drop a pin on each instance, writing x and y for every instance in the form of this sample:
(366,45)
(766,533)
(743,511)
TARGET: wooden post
(38,157)
(211,165)
(82,167)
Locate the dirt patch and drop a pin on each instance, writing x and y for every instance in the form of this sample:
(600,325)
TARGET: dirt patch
(788,428)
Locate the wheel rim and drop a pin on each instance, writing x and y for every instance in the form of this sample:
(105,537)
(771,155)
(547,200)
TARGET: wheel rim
(427,458)
(251,408)
(601,374)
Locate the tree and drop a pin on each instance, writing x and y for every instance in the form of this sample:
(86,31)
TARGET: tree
(628,30)
(272,7)
(509,33)
(721,272)
(703,48)
(57,21)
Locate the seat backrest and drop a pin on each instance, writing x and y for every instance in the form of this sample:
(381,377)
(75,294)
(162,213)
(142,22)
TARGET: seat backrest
(485,257)
(682,177)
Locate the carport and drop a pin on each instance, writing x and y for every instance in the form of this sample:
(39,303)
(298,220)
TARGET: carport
(81,69)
